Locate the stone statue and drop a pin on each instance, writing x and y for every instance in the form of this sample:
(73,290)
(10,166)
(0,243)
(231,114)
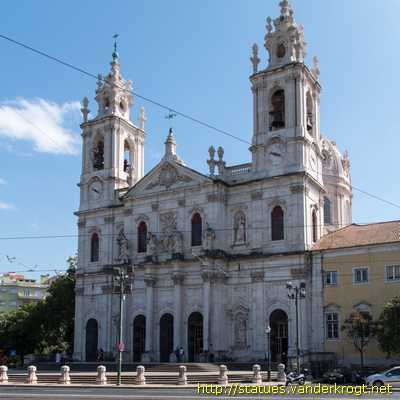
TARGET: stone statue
(209,238)
(178,242)
(241,331)
(240,228)
(255,60)
(152,244)
(269,24)
(123,248)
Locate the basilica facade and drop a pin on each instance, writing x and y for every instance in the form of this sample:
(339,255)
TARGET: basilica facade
(211,253)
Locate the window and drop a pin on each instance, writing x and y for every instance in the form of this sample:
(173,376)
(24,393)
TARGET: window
(277,228)
(360,275)
(332,325)
(331,278)
(310,116)
(393,273)
(327,211)
(127,157)
(26,293)
(94,248)
(277,113)
(197,230)
(314,226)
(98,155)
(142,237)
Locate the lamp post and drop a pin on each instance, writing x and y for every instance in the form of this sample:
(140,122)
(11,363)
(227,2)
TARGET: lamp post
(268,333)
(122,281)
(297,293)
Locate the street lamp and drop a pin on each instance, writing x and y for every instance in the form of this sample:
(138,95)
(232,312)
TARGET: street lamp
(295,293)
(268,333)
(122,282)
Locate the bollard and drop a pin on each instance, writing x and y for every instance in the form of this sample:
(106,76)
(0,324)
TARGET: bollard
(281,373)
(65,379)
(3,374)
(140,378)
(182,379)
(101,378)
(257,378)
(223,375)
(32,378)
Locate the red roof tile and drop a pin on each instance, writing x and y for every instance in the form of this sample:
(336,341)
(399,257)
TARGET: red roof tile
(360,235)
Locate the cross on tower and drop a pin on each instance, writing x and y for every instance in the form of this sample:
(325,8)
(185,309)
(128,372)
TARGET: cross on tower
(115,54)
(170,116)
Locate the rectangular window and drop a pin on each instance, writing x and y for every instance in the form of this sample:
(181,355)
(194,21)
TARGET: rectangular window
(332,325)
(26,293)
(331,278)
(360,275)
(393,273)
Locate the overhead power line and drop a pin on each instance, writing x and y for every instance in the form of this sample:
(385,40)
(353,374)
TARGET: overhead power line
(147,99)
(170,110)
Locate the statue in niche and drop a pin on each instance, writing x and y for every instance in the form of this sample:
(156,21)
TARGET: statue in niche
(123,248)
(239,228)
(152,244)
(240,331)
(209,238)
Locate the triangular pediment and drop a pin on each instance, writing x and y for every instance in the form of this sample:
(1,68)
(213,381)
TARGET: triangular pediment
(167,175)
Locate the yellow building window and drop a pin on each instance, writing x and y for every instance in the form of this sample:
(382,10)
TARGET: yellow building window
(393,273)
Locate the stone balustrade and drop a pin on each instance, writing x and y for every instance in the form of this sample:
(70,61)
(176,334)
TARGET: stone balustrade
(257,378)
(223,375)
(65,379)
(140,378)
(3,374)
(182,378)
(32,377)
(101,378)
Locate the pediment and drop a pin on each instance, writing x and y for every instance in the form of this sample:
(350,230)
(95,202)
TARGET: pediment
(167,175)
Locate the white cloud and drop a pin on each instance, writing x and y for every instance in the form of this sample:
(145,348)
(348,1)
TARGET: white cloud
(5,206)
(41,122)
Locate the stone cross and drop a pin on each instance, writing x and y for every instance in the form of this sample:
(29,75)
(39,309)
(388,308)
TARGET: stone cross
(223,375)
(182,379)
(140,378)
(257,378)
(3,374)
(32,377)
(101,378)
(142,118)
(65,378)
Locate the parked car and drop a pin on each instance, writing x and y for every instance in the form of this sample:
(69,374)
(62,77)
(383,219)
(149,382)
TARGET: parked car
(389,377)
(342,375)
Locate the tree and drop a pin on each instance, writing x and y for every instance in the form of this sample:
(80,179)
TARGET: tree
(44,327)
(360,328)
(388,327)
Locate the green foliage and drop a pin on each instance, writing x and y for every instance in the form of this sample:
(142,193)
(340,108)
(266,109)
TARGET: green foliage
(44,327)
(388,327)
(360,328)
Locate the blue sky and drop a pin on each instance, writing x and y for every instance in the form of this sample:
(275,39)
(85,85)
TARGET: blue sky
(193,56)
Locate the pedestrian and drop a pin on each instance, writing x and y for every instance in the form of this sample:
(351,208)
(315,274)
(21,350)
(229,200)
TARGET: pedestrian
(177,355)
(181,354)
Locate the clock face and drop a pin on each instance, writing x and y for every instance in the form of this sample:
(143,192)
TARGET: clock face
(95,190)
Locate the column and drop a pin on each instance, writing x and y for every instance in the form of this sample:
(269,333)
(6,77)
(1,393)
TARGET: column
(177,279)
(206,275)
(149,281)
(258,320)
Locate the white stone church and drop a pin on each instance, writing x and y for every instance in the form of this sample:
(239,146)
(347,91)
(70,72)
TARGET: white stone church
(211,254)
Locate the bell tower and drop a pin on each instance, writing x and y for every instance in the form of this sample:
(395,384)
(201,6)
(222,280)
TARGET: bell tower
(285,102)
(113,147)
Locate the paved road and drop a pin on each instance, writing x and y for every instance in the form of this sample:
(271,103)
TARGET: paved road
(71,393)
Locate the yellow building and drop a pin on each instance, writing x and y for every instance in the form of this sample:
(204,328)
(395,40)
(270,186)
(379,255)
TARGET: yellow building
(361,272)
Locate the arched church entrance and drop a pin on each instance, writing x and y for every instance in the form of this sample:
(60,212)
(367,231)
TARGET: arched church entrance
(278,322)
(166,337)
(92,338)
(139,337)
(195,336)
